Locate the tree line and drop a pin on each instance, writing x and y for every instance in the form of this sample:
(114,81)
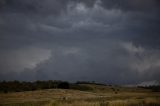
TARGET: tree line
(20,86)
(17,86)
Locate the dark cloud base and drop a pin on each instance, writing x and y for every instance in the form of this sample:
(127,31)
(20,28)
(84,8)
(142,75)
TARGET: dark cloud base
(107,41)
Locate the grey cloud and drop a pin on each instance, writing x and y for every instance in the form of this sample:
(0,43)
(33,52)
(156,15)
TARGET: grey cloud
(107,41)
(34,7)
(130,5)
(112,63)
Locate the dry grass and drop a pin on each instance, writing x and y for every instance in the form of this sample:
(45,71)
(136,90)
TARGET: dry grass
(106,103)
(143,102)
(100,96)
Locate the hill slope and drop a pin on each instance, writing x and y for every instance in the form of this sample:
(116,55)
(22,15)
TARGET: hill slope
(98,95)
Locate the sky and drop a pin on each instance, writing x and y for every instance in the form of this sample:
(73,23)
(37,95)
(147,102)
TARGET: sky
(108,41)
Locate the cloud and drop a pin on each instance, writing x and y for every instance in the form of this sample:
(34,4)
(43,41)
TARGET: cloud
(76,39)
(148,83)
(132,49)
(129,5)
(27,58)
(114,64)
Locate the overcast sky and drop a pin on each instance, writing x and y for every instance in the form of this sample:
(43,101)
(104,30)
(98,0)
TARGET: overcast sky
(109,41)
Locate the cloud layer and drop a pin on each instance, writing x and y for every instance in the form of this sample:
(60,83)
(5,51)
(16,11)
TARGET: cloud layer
(101,40)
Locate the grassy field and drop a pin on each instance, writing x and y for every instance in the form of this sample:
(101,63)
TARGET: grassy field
(99,96)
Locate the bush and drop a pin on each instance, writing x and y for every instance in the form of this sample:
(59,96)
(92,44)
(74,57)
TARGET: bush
(63,85)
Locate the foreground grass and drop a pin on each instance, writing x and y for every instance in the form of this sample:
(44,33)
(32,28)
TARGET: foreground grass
(144,102)
(100,96)
(129,102)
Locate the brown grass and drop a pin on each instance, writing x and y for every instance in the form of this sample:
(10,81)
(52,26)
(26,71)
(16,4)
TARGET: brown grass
(100,96)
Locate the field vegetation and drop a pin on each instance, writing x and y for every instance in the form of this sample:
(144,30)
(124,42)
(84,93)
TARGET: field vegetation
(80,94)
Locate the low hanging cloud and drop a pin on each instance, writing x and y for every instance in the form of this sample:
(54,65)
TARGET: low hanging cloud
(76,39)
(18,60)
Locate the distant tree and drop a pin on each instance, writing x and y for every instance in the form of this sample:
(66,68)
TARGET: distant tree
(63,85)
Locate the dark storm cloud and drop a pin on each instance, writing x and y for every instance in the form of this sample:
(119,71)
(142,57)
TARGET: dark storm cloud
(144,19)
(129,5)
(111,41)
(34,6)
